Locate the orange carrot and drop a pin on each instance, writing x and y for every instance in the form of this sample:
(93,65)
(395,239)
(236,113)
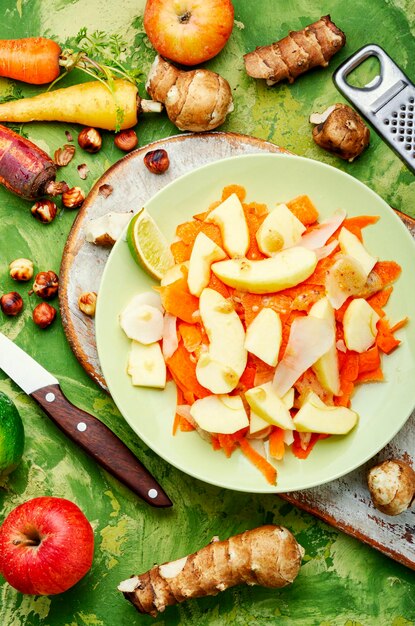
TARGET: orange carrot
(303,209)
(230,189)
(178,301)
(369,361)
(276,443)
(388,271)
(188,231)
(385,339)
(253,223)
(355,224)
(185,425)
(375,376)
(33,60)
(350,368)
(400,324)
(216,284)
(260,463)
(318,277)
(181,252)
(297,448)
(176,423)
(183,370)
(191,334)
(346,392)
(247,380)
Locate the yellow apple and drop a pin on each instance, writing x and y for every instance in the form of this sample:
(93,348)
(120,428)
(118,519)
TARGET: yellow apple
(359,325)
(230,218)
(146,365)
(263,336)
(265,402)
(215,376)
(286,269)
(204,253)
(256,423)
(280,229)
(326,367)
(220,414)
(351,246)
(316,417)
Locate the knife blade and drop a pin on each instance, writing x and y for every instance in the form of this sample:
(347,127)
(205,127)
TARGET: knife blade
(92,435)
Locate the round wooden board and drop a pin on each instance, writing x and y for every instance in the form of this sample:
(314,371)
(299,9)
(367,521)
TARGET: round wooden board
(133,185)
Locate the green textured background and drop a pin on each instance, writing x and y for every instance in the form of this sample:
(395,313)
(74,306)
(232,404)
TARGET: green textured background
(342,582)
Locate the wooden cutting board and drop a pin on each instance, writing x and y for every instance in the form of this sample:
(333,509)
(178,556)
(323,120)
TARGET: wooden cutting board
(344,503)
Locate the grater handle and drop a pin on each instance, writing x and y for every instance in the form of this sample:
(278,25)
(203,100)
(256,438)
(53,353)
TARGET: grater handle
(390,75)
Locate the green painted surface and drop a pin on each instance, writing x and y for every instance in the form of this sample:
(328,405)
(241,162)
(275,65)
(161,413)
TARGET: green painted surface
(342,582)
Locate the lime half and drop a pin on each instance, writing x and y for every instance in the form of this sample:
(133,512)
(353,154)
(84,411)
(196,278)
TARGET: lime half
(148,245)
(11,436)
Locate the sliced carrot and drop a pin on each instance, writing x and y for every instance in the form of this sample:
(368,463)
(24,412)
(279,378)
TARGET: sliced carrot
(183,369)
(385,339)
(375,376)
(400,324)
(388,271)
(176,423)
(191,334)
(276,443)
(253,223)
(305,296)
(350,368)
(318,277)
(216,284)
(247,380)
(252,304)
(188,396)
(188,231)
(355,224)
(215,443)
(181,252)
(303,209)
(339,313)
(178,301)
(260,463)
(380,299)
(280,302)
(256,208)
(369,361)
(346,392)
(230,189)
(297,448)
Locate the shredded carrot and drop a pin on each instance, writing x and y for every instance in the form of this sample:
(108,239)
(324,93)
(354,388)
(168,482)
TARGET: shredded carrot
(303,209)
(388,271)
(180,251)
(375,376)
(304,296)
(309,381)
(185,425)
(247,380)
(339,313)
(297,448)
(380,299)
(385,339)
(176,423)
(216,284)
(183,369)
(350,368)
(276,443)
(346,392)
(191,334)
(369,361)
(215,443)
(178,301)
(260,463)
(355,224)
(253,223)
(400,324)
(318,277)
(188,231)
(230,189)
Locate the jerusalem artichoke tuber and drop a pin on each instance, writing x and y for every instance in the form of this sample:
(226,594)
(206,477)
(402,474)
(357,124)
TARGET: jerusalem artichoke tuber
(196,100)
(392,486)
(340,130)
(295,54)
(268,556)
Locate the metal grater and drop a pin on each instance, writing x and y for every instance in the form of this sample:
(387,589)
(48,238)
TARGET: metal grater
(388,101)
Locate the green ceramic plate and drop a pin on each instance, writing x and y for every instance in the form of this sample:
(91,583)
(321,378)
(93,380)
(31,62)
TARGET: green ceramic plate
(383,408)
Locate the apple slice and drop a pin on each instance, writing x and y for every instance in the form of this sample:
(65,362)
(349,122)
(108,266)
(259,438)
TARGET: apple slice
(175,273)
(359,325)
(309,339)
(142,322)
(230,218)
(204,253)
(326,367)
(225,360)
(256,423)
(316,417)
(280,229)
(265,402)
(351,246)
(286,269)
(220,414)
(263,336)
(146,365)
(345,278)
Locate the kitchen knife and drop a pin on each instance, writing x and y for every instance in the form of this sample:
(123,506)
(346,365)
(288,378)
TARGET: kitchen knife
(84,429)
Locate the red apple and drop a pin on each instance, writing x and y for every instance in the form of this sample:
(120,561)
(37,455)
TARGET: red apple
(46,546)
(188,31)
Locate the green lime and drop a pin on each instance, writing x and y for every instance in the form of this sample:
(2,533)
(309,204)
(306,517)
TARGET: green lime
(11,436)
(148,245)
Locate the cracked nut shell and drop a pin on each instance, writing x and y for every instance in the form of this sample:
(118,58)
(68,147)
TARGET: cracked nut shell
(157,161)
(43,315)
(90,140)
(21,270)
(73,198)
(45,211)
(11,303)
(46,285)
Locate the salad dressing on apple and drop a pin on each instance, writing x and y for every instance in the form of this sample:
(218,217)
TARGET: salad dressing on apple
(267,321)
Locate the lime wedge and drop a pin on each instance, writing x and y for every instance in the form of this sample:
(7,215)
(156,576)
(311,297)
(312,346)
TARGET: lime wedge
(11,436)
(148,245)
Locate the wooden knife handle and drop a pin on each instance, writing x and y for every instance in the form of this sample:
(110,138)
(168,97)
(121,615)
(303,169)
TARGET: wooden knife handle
(101,444)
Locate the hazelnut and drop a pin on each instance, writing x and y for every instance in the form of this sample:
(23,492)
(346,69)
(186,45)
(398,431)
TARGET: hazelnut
(64,155)
(46,285)
(157,161)
(126,140)
(87,302)
(90,140)
(43,315)
(44,211)
(73,198)
(21,269)
(11,303)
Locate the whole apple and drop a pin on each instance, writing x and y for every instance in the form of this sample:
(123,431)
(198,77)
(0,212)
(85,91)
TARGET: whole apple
(188,31)
(46,546)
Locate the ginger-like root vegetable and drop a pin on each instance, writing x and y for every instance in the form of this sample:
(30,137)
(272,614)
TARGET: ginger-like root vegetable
(392,486)
(268,556)
(297,53)
(196,100)
(340,130)
(105,230)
